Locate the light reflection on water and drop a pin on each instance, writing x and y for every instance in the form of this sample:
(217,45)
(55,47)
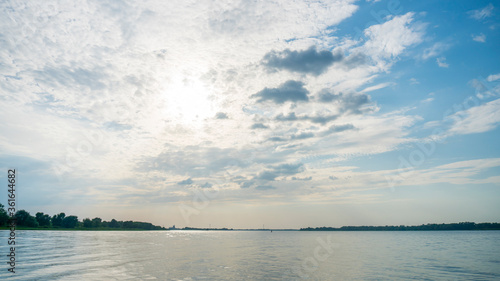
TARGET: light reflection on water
(252,255)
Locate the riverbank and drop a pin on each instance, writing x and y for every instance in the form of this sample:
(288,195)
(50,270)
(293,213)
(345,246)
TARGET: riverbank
(78,229)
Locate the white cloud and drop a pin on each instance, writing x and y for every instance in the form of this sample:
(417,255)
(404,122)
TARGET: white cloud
(435,50)
(391,38)
(441,62)
(462,172)
(153,75)
(427,100)
(493,77)
(483,13)
(377,87)
(477,119)
(484,89)
(479,38)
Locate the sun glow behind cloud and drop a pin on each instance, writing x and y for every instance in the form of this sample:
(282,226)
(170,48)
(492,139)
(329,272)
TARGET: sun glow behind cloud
(188,102)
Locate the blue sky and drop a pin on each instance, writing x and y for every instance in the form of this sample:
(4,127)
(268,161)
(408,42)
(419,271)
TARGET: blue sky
(243,113)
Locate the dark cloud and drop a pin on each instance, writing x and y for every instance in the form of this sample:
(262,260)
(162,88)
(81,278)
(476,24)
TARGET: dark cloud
(349,103)
(321,119)
(277,139)
(341,128)
(302,179)
(353,103)
(267,175)
(291,90)
(308,61)
(326,96)
(333,178)
(302,136)
(259,126)
(246,184)
(280,170)
(289,117)
(306,135)
(186,182)
(221,115)
(355,60)
(338,128)
(289,169)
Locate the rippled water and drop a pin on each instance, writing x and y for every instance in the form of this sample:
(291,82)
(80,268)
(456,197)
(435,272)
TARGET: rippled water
(253,255)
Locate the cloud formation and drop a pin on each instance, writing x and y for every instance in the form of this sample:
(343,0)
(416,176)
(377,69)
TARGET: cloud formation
(442,62)
(479,38)
(347,103)
(187,181)
(477,119)
(259,126)
(392,37)
(302,136)
(320,119)
(302,179)
(169,105)
(483,13)
(280,170)
(435,50)
(339,128)
(221,115)
(291,90)
(493,77)
(308,61)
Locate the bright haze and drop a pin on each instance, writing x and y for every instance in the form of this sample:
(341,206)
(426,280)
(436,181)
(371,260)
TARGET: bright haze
(241,114)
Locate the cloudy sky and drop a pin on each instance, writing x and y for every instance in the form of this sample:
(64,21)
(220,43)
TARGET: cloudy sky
(244,113)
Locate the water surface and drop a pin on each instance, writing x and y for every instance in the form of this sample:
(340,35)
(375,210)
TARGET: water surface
(253,255)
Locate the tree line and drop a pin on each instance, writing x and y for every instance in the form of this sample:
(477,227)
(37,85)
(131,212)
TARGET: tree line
(425,227)
(41,220)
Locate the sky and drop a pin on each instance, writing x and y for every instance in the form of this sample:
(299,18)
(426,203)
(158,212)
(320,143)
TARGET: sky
(247,113)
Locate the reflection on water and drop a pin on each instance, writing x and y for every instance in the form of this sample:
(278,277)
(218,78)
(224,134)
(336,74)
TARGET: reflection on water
(253,255)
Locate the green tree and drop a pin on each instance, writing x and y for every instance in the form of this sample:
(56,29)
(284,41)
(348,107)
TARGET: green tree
(23,218)
(58,219)
(87,223)
(42,219)
(96,222)
(128,224)
(70,222)
(4,217)
(114,224)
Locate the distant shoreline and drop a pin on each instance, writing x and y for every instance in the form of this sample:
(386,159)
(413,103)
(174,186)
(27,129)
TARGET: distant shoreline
(467,226)
(79,229)
(423,227)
